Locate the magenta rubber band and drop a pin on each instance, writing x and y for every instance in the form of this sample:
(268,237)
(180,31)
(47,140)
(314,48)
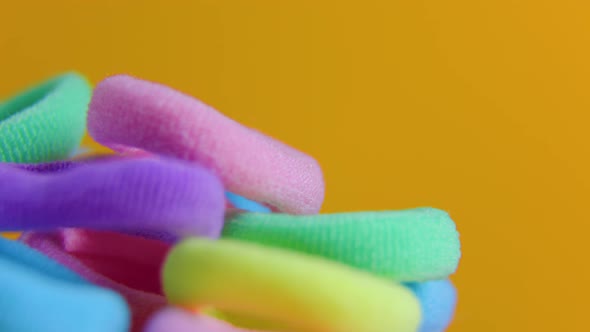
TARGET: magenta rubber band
(126,264)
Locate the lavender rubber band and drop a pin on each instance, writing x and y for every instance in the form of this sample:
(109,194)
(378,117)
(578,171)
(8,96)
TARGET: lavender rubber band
(130,195)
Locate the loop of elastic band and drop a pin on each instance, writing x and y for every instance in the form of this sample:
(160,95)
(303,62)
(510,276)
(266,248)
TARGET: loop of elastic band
(127,113)
(438,299)
(131,195)
(129,265)
(46,122)
(407,245)
(61,300)
(285,289)
(178,320)
(235,201)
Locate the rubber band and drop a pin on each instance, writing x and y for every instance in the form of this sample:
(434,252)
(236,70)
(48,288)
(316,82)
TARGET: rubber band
(178,320)
(19,253)
(38,294)
(438,300)
(286,289)
(46,122)
(127,113)
(132,195)
(126,264)
(407,245)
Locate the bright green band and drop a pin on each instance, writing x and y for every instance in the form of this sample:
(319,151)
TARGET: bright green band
(45,122)
(408,245)
(295,291)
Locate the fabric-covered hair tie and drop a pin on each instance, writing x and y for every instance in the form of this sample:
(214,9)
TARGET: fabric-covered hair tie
(129,265)
(438,299)
(46,122)
(127,114)
(270,288)
(38,294)
(408,245)
(178,320)
(134,195)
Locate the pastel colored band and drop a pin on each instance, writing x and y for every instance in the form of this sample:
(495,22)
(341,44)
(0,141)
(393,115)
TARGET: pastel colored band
(130,195)
(438,300)
(274,289)
(407,245)
(234,201)
(178,320)
(127,114)
(38,294)
(129,265)
(46,122)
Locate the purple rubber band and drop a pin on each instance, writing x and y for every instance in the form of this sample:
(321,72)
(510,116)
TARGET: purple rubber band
(159,196)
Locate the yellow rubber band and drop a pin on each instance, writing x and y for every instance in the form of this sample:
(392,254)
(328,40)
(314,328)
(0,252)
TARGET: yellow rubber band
(259,287)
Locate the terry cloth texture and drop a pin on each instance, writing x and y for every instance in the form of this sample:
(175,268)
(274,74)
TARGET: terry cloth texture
(407,245)
(125,195)
(46,122)
(126,112)
(297,292)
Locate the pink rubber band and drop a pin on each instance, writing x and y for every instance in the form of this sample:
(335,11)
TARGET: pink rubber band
(127,113)
(178,320)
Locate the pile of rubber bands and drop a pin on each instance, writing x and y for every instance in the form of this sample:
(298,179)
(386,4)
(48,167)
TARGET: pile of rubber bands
(195,224)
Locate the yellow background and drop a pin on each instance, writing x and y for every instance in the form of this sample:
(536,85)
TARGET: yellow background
(477,107)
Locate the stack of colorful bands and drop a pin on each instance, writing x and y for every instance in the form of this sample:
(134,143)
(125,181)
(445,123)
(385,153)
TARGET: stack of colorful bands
(196,224)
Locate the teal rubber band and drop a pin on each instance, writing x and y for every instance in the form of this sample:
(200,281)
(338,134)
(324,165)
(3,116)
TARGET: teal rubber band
(45,122)
(408,245)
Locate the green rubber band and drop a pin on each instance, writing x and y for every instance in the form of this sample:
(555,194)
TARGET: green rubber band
(45,122)
(408,245)
(287,290)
